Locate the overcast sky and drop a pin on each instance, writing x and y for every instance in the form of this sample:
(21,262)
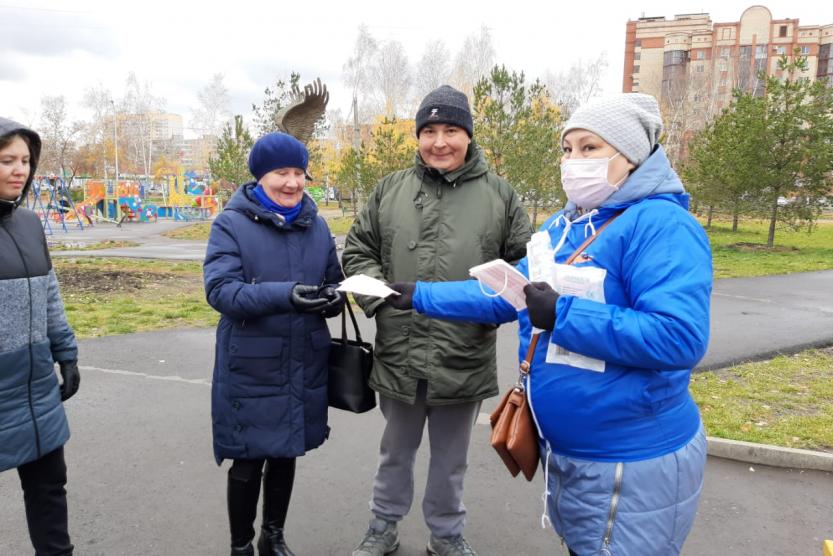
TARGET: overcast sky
(51,47)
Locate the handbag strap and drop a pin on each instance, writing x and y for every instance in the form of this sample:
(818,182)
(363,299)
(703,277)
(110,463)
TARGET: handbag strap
(592,238)
(352,318)
(526,364)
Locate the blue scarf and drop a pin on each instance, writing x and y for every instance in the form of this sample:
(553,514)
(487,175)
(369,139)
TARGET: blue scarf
(289,213)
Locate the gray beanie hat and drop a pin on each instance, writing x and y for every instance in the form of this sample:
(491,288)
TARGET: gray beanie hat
(630,122)
(445,105)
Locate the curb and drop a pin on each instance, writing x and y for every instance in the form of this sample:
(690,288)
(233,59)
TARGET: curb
(774,456)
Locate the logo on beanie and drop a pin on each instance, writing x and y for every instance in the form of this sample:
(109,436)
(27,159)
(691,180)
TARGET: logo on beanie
(433,115)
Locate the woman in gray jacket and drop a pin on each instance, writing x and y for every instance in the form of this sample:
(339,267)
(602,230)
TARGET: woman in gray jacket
(35,335)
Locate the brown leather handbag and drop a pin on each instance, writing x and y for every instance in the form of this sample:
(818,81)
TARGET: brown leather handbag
(514,432)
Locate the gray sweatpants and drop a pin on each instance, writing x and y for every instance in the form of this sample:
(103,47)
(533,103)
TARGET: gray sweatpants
(449,433)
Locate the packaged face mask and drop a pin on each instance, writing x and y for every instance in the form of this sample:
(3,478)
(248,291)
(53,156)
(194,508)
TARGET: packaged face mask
(586,282)
(541,258)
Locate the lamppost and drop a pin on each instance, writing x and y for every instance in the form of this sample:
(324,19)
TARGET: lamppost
(116,147)
(116,138)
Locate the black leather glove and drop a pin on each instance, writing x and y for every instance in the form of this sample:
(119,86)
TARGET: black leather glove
(72,379)
(335,301)
(404,301)
(540,302)
(305,299)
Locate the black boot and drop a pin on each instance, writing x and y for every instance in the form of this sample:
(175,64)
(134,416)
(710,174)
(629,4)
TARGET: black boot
(277,490)
(272,543)
(247,550)
(243,492)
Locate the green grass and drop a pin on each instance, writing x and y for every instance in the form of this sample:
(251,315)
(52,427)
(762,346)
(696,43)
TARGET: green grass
(107,244)
(744,253)
(340,225)
(120,296)
(784,401)
(197,231)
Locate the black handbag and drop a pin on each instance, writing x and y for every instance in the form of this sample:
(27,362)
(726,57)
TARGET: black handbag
(350,364)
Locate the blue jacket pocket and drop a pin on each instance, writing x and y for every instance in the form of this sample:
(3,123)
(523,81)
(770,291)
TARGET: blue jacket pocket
(256,361)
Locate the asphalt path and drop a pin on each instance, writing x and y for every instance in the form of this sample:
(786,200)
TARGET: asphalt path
(142,479)
(147,235)
(755,318)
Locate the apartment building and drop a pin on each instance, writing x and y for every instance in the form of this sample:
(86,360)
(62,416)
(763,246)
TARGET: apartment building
(692,64)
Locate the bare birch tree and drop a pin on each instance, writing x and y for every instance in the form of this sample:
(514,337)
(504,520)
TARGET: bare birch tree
(433,69)
(98,131)
(572,88)
(358,73)
(392,77)
(141,107)
(214,110)
(58,134)
(474,61)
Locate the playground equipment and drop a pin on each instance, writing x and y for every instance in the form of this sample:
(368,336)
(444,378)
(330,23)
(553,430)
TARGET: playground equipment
(129,200)
(184,198)
(116,201)
(189,199)
(51,200)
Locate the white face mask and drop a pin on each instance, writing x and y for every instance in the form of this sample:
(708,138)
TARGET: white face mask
(585,181)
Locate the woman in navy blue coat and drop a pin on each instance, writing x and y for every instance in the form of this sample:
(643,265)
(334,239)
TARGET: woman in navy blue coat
(270,271)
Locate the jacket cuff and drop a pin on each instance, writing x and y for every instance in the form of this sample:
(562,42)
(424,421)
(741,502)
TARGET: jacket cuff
(369,304)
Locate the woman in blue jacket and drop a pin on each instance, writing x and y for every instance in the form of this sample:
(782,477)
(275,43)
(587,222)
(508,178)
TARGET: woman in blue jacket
(623,446)
(34,334)
(269,270)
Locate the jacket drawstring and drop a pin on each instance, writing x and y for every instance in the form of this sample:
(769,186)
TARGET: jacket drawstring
(568,224)
(545,515)
(590,224)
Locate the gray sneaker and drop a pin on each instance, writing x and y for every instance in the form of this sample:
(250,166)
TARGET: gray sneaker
(382,538)
(450,546)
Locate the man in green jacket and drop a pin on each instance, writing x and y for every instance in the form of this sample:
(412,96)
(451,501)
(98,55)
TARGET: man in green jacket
(432,222)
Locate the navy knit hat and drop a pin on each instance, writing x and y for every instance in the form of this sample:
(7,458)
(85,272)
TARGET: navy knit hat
(277,150)
(445,105)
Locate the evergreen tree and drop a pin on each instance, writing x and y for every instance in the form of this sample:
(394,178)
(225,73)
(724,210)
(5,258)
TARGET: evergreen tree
(355,174)
(390,150)
(499,102)
(519,129)
(771,155)
(533,161)
(231,162)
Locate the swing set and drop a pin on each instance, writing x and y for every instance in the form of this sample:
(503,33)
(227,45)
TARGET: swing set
(50,199)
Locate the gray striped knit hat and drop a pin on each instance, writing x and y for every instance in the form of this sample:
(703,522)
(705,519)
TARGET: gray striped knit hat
(630,122)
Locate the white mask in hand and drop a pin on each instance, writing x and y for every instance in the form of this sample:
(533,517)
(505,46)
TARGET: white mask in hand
(585,181)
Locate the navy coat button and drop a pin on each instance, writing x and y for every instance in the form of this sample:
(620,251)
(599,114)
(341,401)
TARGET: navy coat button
(238,428)
(236,405)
